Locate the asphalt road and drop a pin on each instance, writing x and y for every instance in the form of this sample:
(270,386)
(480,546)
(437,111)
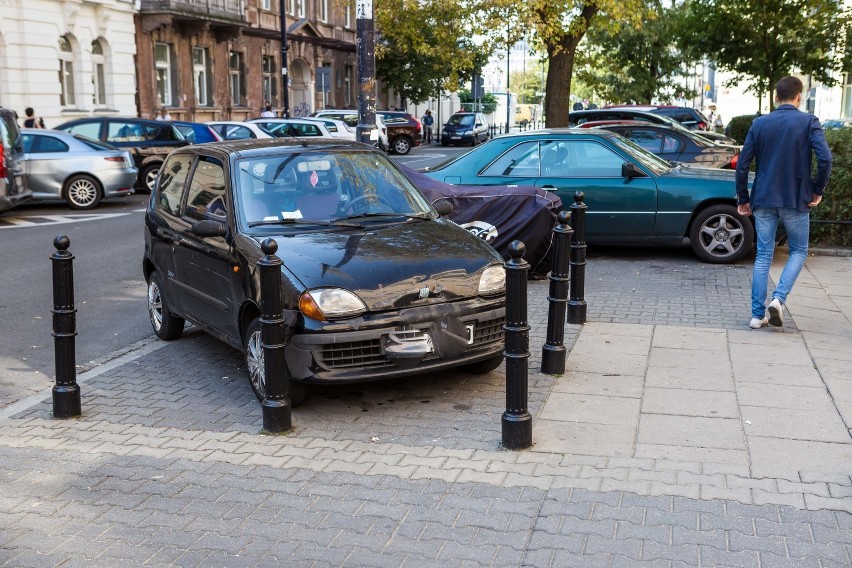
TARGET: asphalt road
(109,290)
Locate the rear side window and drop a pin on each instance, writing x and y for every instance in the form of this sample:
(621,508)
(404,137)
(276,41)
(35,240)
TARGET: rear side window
(8,130)
(123,132)
(206,196)
(43,144)
(173,176)
(648,139)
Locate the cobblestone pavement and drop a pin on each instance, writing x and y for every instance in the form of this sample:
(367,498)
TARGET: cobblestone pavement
(168,467)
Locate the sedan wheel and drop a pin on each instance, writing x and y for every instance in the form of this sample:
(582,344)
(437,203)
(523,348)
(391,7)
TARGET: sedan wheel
(721,235)
(402,145)
(82,192)
(149,176)
(166,326)
(255,368)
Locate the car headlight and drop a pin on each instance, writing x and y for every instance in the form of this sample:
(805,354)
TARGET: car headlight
(324,304)
(493,280)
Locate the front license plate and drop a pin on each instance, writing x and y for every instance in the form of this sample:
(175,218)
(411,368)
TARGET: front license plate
(456,137)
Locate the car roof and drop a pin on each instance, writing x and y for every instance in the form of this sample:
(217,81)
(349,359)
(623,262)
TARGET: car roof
(118,118)
(561,131)
(244,148)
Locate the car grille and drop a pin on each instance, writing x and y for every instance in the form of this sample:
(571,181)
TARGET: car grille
(368,354)
(353,355)
(488,331)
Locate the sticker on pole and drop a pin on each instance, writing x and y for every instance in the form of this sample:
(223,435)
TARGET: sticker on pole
(364,10)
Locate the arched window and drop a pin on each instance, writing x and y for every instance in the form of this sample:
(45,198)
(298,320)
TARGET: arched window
(67,95)
(98,74)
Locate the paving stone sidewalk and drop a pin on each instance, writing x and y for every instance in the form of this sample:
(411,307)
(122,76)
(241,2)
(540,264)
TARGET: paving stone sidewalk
(167,466)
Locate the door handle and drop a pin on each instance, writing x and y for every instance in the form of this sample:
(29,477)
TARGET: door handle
(548,186)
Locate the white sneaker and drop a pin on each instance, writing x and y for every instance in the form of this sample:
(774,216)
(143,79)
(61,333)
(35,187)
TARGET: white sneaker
(758,323)
(776,312)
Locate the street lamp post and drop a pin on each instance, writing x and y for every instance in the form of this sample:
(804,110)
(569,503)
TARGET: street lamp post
(285,79)
(366,47)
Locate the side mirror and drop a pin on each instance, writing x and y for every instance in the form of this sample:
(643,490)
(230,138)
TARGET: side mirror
(209,228)
(443,207)
(629,170)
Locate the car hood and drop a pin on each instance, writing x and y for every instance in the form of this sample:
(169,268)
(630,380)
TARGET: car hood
(390,266)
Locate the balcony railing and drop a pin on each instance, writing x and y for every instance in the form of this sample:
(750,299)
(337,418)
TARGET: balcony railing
(219,9)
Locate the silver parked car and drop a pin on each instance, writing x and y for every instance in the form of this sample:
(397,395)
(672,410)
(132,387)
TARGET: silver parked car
(73,168)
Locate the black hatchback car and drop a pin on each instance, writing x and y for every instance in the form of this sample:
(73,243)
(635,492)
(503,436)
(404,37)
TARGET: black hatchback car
(148,141)
(376,284)
(465,128)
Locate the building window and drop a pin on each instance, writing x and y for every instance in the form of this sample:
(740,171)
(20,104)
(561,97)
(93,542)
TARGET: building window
(201,76)
(163,68)
(297,8)
(347,14)
(66,72)
(98,74)
(347,84)
(237,72)
(270,80)
(323,10)
(266,4)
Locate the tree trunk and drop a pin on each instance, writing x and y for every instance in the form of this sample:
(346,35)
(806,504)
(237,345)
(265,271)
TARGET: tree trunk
(558,88)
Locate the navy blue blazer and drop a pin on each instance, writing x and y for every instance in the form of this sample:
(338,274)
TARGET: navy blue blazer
(783,143)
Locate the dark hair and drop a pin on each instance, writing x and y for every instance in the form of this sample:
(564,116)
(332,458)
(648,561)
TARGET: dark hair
(787,88)
(268,107)
(29,111)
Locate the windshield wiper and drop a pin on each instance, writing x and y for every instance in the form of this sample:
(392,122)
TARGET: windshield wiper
(386,214)
(335,223)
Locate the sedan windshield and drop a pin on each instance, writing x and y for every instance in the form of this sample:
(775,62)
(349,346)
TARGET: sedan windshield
(298,188)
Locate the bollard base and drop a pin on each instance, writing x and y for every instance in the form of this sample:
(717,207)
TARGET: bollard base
(553,359)
(577,311)
(517,430)
(66,401)
(277,417)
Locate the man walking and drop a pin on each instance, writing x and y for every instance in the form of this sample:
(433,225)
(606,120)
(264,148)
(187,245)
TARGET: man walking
(782,143)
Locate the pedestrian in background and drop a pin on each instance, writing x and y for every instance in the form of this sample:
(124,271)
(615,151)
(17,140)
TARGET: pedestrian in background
(427,121)
(268,112)
(32,121)
(782,144)
(163,115)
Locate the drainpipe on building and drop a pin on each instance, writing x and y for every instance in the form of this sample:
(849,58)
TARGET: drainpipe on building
(285,79)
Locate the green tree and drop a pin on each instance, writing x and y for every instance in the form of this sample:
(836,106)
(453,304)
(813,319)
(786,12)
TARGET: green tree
(488,103)
(761,41)
(635,64)
(525,84)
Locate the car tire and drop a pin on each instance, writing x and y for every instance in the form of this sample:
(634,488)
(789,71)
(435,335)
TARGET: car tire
(720,235)
(484,367)
(253,359)
(82,192)
(401,145)
(148,177)
(166,325)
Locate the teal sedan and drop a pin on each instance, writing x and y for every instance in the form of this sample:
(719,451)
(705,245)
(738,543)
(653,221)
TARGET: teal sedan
(633,196)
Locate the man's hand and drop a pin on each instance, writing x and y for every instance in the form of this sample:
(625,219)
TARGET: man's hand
(815,201)
(744,209)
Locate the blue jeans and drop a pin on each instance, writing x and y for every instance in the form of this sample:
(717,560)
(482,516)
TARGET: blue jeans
(797,224)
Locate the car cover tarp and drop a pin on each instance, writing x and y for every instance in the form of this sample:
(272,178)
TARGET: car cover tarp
(500,214)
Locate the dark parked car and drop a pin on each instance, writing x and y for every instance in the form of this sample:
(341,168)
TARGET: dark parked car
(12,189)
(577,117)
(376,285)
(465,128)
(633,196)
(404,130)
(149,141)
(689,117)
(673,145)
(77,170)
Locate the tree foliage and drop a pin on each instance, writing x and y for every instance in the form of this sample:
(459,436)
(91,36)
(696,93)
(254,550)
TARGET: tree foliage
(635,64)
(487,103)
(761,41)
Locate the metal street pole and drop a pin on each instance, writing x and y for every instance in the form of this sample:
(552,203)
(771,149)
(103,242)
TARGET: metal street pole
(285,79)
(508,67)
(366,47)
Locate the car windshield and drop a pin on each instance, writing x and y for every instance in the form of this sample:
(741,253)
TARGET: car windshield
(645,158)
(461,120)
(297,188)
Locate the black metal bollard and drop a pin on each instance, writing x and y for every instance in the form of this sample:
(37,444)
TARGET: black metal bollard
(516,421)
(277,416)
(553,352)
(577,303)
(66,391)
